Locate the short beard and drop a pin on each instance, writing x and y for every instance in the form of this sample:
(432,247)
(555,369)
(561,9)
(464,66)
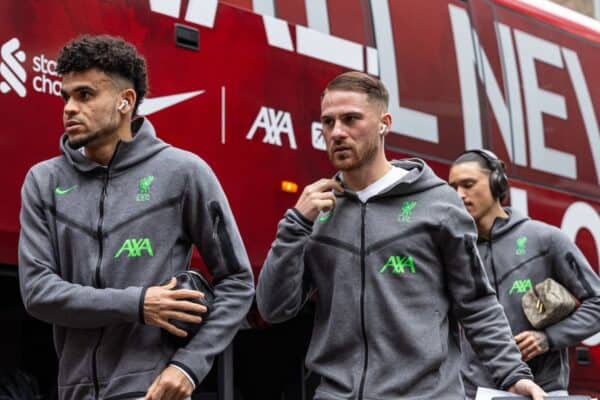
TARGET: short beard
(92,137)
(83,140)
(369,155)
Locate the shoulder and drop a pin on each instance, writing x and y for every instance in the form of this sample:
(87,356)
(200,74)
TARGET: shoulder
(543,229)
(549,236)
(183,159)
(44,170)
(443,199)
(195,171)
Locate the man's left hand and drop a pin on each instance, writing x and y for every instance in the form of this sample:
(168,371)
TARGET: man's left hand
(171,384)
(527,387)
(532,344)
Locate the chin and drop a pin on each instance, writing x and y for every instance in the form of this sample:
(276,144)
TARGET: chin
(80,140)
(346,165)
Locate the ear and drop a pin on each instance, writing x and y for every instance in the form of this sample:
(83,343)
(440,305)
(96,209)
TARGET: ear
(385,123)
(129,96)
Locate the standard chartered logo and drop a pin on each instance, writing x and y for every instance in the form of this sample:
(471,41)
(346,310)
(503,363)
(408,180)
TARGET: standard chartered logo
(44,78)
(11,70)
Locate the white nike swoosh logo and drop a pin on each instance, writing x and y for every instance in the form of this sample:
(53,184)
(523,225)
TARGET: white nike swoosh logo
(155,104)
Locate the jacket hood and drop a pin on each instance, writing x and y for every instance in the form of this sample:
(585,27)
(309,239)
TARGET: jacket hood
(144,145)
(504,226)
(420,177)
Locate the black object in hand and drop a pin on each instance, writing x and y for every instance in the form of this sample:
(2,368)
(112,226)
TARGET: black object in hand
(192,280)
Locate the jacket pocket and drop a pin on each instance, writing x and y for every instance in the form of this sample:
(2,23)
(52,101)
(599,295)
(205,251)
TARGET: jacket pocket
(579,273)
(222,238)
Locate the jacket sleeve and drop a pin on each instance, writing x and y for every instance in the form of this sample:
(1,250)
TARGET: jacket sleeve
(280,292)
(574,272)
(49,297)
(475,303)
(210,225)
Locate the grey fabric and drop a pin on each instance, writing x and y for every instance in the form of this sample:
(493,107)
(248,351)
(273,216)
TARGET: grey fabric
(392,277)
(88,250)
(513,265)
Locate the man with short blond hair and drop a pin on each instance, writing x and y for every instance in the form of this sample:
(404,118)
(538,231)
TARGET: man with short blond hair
(389,252)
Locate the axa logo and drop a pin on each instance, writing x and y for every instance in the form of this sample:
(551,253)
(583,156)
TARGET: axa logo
(399,265)
(135,248)
(11,68)
(144,188)
(274,123)
(520,286)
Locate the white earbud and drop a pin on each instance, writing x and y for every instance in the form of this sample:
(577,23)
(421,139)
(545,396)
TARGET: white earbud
(124,103)
(382,129)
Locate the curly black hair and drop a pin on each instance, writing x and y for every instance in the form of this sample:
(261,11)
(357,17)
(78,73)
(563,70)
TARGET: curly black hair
(109,54)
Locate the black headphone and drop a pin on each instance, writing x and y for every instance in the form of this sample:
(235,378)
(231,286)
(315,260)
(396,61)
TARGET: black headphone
(498,178)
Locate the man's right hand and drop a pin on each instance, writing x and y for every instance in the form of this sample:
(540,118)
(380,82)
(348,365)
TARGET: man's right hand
(318,197)
(162,304)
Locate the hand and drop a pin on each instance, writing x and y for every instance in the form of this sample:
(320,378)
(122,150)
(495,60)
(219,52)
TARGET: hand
(171,384)
(161,304)
(318,197)
(527,387)
(532,344)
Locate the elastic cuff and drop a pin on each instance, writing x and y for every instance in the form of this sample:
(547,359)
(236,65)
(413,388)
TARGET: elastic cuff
(183,371)
(188,371)
(141,306)
(514,379)
(302,219)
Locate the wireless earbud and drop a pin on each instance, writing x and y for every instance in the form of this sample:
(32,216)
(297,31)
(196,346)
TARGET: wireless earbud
(124,103)
(382,129)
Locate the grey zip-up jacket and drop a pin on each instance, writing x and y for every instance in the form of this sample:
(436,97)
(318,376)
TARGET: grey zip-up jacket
(519,254)
(393,276)
(93,238)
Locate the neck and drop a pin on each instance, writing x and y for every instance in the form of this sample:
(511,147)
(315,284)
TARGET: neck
(362,177)
(484,224)
(102,151)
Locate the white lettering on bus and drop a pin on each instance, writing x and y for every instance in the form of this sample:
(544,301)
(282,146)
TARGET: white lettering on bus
(538,101)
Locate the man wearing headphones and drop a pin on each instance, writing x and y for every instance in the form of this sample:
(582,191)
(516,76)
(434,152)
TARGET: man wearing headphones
(519,253)
(107,223)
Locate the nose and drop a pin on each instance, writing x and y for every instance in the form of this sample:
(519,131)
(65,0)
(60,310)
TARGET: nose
(461,192)
(70,108)
(337,131)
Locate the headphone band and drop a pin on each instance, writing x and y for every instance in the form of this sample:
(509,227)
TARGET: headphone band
(492,159)
(498,179)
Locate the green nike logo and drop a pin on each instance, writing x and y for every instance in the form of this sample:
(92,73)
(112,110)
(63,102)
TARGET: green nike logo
(62,192)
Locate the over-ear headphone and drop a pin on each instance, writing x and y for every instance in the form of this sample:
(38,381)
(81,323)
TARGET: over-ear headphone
(498,178)
(124,103)
(382,129)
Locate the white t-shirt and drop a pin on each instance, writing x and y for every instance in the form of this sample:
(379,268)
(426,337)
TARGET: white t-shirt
(390,178)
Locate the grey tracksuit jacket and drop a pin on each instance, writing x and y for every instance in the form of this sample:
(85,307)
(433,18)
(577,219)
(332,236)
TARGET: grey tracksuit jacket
(393,276)
(519,254)
(93,238)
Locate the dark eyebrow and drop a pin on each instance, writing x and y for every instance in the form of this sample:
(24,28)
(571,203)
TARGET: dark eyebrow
(76,89)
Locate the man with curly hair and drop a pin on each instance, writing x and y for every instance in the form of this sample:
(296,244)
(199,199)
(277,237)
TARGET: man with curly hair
(105,224)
